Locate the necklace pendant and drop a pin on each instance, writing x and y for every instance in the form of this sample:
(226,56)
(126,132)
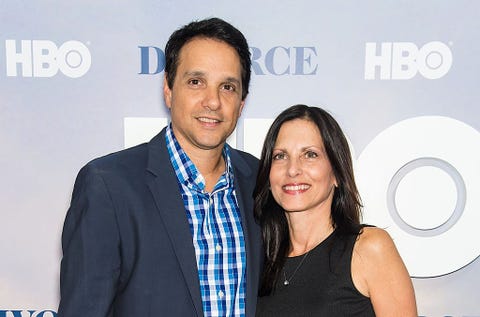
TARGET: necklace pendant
(286,282)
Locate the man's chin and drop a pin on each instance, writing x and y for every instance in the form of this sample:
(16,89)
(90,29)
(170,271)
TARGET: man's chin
(210,145)
(210,142)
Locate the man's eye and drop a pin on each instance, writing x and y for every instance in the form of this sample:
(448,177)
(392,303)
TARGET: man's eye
(229,87)
(194,81)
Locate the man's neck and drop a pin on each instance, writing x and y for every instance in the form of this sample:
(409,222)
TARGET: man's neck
(210,163)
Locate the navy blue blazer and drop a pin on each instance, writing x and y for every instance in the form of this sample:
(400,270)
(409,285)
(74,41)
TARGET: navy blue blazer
(127,246)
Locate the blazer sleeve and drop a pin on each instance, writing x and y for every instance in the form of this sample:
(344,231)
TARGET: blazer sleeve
(91,263)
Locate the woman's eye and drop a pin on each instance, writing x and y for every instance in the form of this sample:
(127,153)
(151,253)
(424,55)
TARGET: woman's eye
(278,156)
(311,154)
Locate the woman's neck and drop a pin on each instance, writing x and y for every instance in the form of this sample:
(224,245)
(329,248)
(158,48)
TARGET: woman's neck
(307,230)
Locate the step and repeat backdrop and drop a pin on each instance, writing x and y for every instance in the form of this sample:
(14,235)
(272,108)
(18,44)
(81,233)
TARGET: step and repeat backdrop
(80,79)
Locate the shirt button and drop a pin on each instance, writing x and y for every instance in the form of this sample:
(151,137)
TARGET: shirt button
(218,247)
(221,294)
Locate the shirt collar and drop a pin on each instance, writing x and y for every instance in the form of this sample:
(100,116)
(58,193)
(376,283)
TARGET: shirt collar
(186,171)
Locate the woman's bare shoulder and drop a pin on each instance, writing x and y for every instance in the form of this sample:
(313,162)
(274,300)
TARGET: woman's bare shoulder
(374,242)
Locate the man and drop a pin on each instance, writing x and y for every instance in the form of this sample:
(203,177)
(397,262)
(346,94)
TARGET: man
(166,228)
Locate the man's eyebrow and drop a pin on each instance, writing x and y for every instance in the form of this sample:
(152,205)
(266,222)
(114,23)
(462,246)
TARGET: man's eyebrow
(199,73)
(233,80)
(195,73)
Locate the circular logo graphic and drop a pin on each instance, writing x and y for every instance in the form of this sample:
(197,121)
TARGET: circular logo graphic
(410,189)
(74,59)
(420,180)
(434,60)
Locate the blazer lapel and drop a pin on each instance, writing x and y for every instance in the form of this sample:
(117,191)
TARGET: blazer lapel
(244,188)
(170,206)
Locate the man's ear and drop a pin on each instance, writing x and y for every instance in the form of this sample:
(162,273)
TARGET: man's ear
(242,104)
(167,92)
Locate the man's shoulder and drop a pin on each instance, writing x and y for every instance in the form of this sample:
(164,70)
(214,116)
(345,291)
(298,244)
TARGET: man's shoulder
(245,162)
(126,160)
(134,157)
(246,156)
(249,158)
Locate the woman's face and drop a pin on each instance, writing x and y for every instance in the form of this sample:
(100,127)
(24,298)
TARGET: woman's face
(301,177)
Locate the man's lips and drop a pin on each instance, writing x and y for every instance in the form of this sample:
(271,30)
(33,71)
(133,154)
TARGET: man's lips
(208,120)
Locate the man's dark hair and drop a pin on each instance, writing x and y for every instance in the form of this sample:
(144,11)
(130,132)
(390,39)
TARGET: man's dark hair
(213,28)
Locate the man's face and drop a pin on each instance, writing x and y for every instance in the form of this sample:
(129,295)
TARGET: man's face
(206,98)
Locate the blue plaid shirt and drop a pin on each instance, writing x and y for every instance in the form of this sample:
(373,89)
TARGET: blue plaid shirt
(217,233)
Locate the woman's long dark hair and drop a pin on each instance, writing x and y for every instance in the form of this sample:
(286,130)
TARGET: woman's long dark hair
(346,204)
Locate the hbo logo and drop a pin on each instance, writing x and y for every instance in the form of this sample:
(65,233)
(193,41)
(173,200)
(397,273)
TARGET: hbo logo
(44,59)
(403,60)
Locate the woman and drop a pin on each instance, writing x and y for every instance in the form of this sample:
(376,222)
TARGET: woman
(320,261)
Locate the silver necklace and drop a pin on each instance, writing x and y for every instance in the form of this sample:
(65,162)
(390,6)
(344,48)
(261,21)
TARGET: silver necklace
(286,280)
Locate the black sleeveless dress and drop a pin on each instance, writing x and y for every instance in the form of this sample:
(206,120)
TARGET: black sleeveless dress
(321,286)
